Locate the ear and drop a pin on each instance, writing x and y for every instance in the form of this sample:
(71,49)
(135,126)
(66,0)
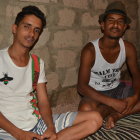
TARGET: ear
(102,26)
(126,27)
(14,28)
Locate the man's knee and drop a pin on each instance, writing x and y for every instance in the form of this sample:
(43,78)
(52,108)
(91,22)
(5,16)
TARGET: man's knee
(98,118)
(94,121)
(84,107)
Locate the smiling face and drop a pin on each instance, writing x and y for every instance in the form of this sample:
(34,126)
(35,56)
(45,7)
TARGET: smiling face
(114,26)
(27,32)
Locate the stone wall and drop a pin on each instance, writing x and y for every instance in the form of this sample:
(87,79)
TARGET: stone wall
(70,25)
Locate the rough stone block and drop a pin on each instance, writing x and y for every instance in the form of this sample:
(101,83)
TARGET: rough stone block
(100,4)
(94,34)
(82,4)
(133,24)
(12,10)
(1,37)
(41,1)
(53,81)
(65,59)
(68,38)
(88,20)
(131,36)
(66,17)
(130,9)
(70,77)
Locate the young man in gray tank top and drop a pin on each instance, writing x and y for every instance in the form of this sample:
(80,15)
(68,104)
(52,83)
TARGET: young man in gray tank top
(99,73)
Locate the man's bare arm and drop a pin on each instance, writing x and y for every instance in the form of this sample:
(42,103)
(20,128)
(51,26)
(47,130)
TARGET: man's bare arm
(131,59)
(132,62)
(7,125)
(45,110)
(14,131)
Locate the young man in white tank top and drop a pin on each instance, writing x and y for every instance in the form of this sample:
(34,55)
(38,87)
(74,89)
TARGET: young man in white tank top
(99,73)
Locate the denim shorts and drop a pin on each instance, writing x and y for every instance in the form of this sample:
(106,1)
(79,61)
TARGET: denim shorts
(122,91)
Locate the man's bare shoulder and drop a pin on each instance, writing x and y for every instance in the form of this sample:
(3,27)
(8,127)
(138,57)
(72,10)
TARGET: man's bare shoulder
(88,53)
(130,48)
(88,48)
(128,44)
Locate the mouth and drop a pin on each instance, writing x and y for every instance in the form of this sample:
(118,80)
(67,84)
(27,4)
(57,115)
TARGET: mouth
(30,39)
(115,30)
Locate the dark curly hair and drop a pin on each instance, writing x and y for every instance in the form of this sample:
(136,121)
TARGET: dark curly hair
(31,10)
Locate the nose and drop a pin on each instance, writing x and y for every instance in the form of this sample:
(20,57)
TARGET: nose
(32,32)
(115,23)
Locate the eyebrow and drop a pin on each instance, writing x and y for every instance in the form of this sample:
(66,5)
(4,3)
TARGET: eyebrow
(30,25)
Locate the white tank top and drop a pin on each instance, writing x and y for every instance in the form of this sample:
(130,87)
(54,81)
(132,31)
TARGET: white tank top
(104,75)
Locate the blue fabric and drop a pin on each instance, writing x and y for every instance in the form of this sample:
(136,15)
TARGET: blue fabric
(61,121)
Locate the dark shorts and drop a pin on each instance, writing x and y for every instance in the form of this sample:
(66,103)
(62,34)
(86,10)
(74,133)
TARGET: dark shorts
(122,91)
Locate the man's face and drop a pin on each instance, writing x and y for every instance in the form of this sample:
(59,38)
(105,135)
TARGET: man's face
(114,26)
(28,31)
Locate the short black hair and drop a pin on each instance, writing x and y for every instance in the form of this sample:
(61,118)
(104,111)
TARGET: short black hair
(31,10)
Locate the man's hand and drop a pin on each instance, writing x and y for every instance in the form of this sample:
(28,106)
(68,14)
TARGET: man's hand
(118,104)
(131,102)
(25,135)
(49,134)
